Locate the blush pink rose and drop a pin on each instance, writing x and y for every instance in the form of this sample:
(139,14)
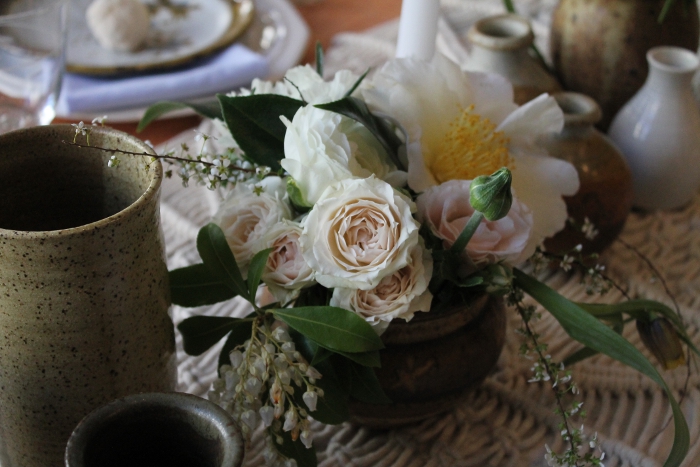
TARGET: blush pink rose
(446,210)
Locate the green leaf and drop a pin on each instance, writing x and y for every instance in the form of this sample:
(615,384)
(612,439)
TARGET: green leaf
(331,327)
(200,333)
(320,355)
(294,449)
(195,286)
(209,109)
(369,359)
(218,258)
(356,109)
(365,386)
(240,333)
(357,84)
(319,59)
(254,122)
(587,330)
(256,270)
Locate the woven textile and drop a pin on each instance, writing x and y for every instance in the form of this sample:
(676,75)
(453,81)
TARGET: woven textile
(506,421)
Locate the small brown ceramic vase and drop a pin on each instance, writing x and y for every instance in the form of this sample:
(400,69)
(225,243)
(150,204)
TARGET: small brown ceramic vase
(501,44)
(605,194)
(156,430)
(83,285)
(430,361)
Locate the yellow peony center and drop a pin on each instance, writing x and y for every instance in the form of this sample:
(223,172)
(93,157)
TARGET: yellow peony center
(471,147)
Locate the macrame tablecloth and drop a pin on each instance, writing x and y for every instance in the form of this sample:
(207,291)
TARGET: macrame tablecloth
(506,421)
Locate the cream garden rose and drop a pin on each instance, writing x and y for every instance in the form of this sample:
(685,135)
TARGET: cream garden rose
(323,147)
(446,210)
(287,272)
(461,125)
(359,231)
(398,295)
(248,212)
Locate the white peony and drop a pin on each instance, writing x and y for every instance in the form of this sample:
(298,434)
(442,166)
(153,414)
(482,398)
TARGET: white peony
(323,147)
(245,215)
(398,295)
(287,272)
(360,231)
(461,125)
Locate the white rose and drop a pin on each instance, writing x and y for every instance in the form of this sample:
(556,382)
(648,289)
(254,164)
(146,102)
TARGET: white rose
(287,272)
(398,295)
(304,83)
(360,231)
(446,210)
(323,147)
(245,216)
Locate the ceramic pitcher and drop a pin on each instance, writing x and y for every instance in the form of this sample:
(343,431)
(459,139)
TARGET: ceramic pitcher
(658,131)
(83,286)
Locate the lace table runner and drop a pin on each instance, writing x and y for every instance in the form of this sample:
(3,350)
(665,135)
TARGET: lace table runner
(506,421)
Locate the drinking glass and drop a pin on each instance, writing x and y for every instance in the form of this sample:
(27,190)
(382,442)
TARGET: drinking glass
(32,54)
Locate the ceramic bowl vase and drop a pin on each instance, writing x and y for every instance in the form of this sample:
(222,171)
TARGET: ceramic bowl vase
(156,430)
(83,286)
(605,192)
(429,362)
(501,44)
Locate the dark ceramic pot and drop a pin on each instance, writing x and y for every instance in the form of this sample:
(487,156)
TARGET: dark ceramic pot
(156,429)
(430,361)
(599,47)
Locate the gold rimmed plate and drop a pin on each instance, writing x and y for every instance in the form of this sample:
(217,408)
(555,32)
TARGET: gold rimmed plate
(180,32)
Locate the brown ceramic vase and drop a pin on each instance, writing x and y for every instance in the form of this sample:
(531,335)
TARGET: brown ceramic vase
(599,47)
(430,361)
(83,286)
(605,193)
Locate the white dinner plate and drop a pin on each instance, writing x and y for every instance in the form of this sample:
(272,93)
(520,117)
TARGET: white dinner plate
(277,31)
(176,36)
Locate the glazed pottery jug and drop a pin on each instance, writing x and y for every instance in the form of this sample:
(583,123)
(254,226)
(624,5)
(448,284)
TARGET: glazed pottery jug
(605,193)
(598,47)
(501,44)
(156,430)
(83,285)
(658,131)
(430,361)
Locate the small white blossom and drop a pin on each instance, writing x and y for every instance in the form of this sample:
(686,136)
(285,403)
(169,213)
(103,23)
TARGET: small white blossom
(310,399)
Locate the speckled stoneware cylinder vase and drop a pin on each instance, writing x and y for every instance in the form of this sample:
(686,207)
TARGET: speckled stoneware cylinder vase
(83,286)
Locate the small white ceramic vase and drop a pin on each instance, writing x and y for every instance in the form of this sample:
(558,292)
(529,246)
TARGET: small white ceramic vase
(500,44)
(658,131)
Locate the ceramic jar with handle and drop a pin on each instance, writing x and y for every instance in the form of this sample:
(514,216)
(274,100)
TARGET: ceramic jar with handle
(500,44)
(658,131)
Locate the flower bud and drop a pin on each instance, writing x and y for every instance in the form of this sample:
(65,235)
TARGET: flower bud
(660,337)
(491,195)
(295,195)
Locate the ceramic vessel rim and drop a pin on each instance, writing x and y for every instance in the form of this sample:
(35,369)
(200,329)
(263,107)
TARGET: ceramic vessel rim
(233,450)
(683,60)
(478,35)
(54,5)
(155,172)
(579,109)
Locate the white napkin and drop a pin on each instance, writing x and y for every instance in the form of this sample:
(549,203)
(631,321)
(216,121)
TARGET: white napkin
(236,66)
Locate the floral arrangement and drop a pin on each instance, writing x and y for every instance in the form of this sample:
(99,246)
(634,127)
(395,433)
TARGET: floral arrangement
(362,200)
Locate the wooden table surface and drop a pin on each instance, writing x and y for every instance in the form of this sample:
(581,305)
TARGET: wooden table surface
(325,19)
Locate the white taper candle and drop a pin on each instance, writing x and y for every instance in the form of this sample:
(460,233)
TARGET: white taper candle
(417,29)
